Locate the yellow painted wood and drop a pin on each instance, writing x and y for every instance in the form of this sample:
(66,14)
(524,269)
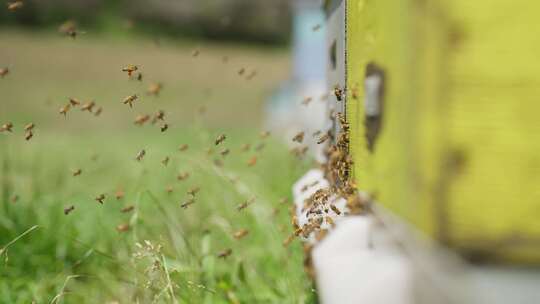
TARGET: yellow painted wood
(459,151)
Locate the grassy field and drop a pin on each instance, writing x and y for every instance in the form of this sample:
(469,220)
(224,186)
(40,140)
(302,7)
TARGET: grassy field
(168,254)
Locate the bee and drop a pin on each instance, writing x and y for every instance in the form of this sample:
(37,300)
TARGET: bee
(251,75)
(187,203)
(225,253)
(240,233)
(241,71)
(165,161)
(69,209)
(164,127)
(119,194)
(260,146)
(339,93)
(245,204)
(316,27)
(130,99)
(154,89)
(264,134)
(299,138)
(169,189)
(7,127)
(74,102)
(14,198)
(221,138)
(88,106)
(195,53)
(77,172)
(218,163)
(183,176)
(69,28)
(323,138)
(13,6)
(28,135)
(3,72)
(139,76)
(140,155)
(183,147)
(224,152)
(307,100)
(98,111)
(130,69)
(122,228)
(245,147)
(193,191)
(63,110)
(127,209)
(252,161)
(159,115)
(100,198)
(335,209)
(284,200)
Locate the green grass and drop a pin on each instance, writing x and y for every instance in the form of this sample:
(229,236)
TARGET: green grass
(169,255)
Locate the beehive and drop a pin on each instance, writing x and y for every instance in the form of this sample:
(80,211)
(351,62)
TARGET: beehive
(445,133)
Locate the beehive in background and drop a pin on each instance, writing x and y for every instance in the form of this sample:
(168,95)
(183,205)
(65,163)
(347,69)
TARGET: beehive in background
(443,101)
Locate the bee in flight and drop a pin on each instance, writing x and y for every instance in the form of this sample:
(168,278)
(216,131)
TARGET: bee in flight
(159,115)
(4,72)
(63,110)
(299,138)
(221,138)
(69,209)
(164,127)
(141,119)
(252,161)
(182,176)
(100,198)
(251,75)
(130,99)
(122,228)
(188,203)
(307,101)
(69,28)
(98,111)
(316,27)
(127,209)
(77,172)
(28,135)
(7,127)
(89,106)
(119,194)
(193,191)
(240,233)
(183,147)
(245,204)
(225,253)
(140,155)
(74,102)
(130,69)
(13,6)
(195,53)
(224,152)
(154,89)
(165,161)
(241,71)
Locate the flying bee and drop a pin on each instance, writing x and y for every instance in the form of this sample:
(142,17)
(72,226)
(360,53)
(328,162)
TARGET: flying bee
(141,119)
(119,194)
(13,6)
(284,200)
(8,126)
(221,138)
(323,138)
(169,189)
(187,203)
(240,233)
(307,100)
(165,161)
(69,209)
(241,71)
(130,69)
(14,198)
(122,228)
(130,99)
(139,76)
(252,161)
(76,172)
(98,111)
(159,115)
(74,102)
(100,198)
(140,155)
(183,176)
(264,134)
(154,89)
(245,204)
(193,191)
(299,138)
(127,209)
(183,147)
(89,106)
(63,110)
(335,209)
(164,127)
(225,253)
(3,72)
(218,163)
(316,27)
(224,152)
(195,53)
(338,92)
(251,75)
(28,135)
(245,147)
(260,146)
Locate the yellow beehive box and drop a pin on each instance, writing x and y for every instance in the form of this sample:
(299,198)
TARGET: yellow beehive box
(442,97)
